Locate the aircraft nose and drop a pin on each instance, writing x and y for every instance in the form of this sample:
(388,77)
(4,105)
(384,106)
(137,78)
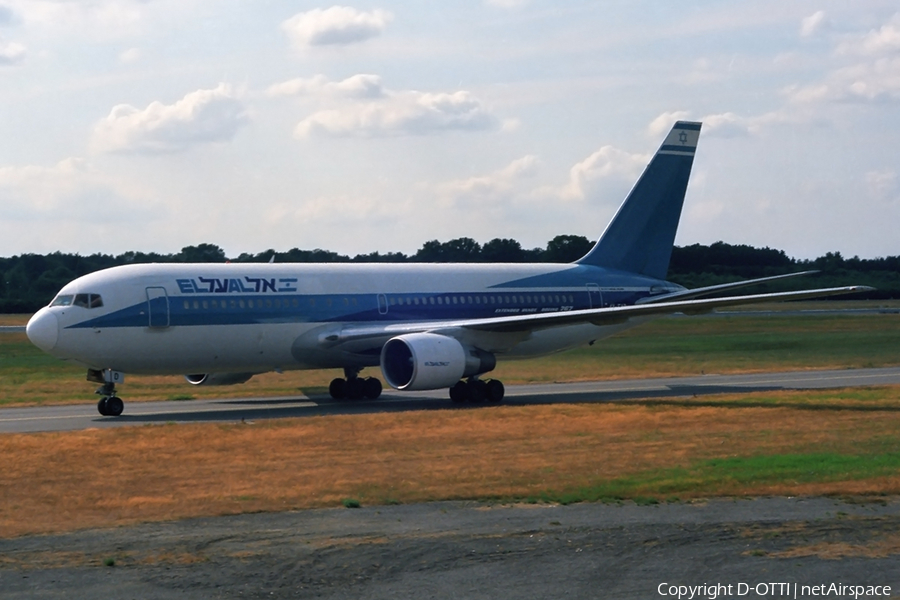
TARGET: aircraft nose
(43,330)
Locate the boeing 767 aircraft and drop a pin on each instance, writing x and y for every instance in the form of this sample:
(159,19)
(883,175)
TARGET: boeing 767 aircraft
(428,326)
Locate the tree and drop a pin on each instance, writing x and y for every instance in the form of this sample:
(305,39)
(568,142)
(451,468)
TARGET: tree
(567,248)
(502,250)
(202,253)
(458,250)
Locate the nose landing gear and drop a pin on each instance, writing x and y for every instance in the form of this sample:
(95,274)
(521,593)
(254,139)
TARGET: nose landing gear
(110,405)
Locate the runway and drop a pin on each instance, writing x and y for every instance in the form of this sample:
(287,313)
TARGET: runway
(85,416)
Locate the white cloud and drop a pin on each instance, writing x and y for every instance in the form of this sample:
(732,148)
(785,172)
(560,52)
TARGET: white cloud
(506,3)
(606,163)
(874,80)
(882,184)
(721,125)
(880,42)
(71,190)
(401,113)
(812,24)
(98,18)
(663,123)
(337,25)
(866,69)
(357,86)
(726,125)
(200,117)
(492,188)
(11,53)
(131,55)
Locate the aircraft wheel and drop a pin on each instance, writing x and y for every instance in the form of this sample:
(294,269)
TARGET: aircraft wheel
(338,388)
(459,392)
(114,406)
(478,391)
(101,406)
(495,391)
(372,388)
(355,388)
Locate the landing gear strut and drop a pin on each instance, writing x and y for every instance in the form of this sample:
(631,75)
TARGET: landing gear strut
(110,405)
(476,391)
(354,387)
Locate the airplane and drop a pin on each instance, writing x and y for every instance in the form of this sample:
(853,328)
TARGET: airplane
(428,326)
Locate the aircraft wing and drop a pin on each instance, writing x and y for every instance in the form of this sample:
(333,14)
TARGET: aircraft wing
(519,325)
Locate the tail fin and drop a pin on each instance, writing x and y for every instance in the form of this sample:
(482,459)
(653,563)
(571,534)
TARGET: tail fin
(640,237)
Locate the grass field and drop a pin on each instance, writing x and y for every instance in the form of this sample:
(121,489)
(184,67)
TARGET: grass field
(844,442)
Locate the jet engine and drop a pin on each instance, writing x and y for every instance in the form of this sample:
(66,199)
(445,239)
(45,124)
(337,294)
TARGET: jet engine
(217,378)
(429,361)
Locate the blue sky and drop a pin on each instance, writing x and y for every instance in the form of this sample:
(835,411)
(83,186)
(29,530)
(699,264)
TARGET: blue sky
(254,124)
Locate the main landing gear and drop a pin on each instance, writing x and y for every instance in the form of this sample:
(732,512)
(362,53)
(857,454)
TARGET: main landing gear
(476,391)
(110,405)
(354,387)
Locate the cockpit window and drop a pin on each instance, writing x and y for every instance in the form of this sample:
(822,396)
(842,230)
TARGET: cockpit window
(82,300)
(62,300)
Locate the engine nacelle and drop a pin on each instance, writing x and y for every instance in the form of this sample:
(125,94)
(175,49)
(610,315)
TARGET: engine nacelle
(217,378)
(428,361)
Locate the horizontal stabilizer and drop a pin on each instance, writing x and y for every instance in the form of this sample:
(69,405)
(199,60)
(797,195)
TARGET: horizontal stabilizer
(715,289)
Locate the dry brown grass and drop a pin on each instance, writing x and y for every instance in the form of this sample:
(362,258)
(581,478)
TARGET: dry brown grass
(59,481)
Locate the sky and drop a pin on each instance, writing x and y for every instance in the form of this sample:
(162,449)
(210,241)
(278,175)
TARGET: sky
(150,125)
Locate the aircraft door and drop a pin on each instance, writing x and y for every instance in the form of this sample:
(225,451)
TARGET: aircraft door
(595,296)
(158,307)
(382,304)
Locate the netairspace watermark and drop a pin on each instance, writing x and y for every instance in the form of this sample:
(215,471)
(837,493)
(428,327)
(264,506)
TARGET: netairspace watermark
(711,591)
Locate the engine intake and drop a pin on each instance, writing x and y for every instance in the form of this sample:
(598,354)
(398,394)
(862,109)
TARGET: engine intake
(218,378)
(428,361)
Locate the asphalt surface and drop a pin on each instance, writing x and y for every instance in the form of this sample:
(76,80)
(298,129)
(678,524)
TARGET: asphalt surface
(76,417)
(465,550)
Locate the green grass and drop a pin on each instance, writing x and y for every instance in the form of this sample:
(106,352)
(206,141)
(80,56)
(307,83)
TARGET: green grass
(718,476)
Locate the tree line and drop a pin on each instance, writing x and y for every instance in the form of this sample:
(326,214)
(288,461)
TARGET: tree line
(29,281)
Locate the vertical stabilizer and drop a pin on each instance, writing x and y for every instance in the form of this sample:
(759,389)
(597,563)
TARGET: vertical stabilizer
(640,237)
